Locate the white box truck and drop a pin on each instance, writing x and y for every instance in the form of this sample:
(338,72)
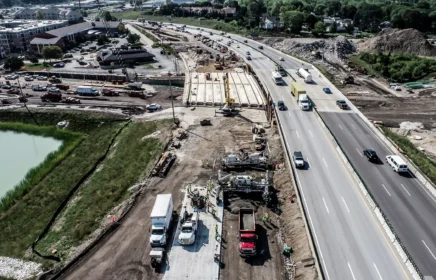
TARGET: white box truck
(161,216)
(305,75)
(86,91)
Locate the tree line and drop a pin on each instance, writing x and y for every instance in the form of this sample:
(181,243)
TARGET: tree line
(296,13)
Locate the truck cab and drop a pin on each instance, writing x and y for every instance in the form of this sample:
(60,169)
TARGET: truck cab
(189,230)
(304,102)
(157,256)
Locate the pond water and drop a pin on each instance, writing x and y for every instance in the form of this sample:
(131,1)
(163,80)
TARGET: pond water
(20,152)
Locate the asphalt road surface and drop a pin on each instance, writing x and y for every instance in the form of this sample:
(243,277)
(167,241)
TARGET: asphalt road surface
(349,240)
(409,206)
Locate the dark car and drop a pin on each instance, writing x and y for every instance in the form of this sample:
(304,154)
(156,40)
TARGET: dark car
(281,105)
(248,57)
(342,104)
(261,47)
(370,154)
(327,90)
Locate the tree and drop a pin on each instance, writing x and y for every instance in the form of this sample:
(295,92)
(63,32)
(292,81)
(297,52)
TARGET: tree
(423,5)
(52,52)
(332,7)
(13,63)
(107,16)
(368,16)
(102,40)
(218,6)
(333,27)
(292,20)
(34,59)
(319,28)
(310,20)
(39,15)
(133,38)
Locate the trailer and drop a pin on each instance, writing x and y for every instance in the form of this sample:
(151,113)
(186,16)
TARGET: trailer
(305,75)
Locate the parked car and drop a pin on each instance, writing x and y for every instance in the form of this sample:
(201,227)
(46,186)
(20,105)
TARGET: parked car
(327,90)
(370,154)
(42,78)
(154,107)
(28,78)
(59,65)
(6,102)
(6,86)
(54,90)
(342,104)
(281,105)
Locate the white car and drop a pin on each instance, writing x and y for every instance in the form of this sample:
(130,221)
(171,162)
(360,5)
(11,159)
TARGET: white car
(154,107)
(42,78)
(28,78)
(281,59)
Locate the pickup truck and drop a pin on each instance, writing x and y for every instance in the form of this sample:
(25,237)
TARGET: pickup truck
(189,229)
(247,233)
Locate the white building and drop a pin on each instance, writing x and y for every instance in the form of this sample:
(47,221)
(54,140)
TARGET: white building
(70,15)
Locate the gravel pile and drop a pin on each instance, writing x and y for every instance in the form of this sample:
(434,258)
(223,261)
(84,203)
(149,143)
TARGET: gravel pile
(18,269)
(336,49)
(399,40)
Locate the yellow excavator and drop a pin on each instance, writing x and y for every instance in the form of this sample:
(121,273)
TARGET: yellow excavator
(229,107)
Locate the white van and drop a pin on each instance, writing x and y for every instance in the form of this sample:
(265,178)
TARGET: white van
(397,163)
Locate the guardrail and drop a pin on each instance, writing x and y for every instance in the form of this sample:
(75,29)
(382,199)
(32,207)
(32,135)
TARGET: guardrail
(376,207)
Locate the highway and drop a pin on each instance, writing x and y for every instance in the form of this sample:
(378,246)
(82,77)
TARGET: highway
(409,206)
(350,242)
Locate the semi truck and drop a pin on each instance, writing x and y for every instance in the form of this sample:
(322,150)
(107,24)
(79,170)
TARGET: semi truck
(304,102)
(86,91)
(247,233)
(305,75)
(297,89)
(161,216)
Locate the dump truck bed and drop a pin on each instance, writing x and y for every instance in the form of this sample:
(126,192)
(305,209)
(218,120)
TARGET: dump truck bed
(246,220)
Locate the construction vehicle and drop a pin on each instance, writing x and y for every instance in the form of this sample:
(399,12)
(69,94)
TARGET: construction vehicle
(247,233)
(54,80)
(161,216)
(245,160)
(260,142)
(229,108)
(164,164)
(157,256)
(206,121)
(245,184)
(197,200)
(137,86)
(135,93)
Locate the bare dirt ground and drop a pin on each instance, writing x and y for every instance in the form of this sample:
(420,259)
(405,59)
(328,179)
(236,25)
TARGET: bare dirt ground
(124,253)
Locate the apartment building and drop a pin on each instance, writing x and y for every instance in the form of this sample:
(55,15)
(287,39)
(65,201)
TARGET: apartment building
(48,13)
(17,34)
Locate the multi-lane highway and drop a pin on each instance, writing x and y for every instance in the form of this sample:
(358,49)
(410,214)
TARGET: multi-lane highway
(350,242)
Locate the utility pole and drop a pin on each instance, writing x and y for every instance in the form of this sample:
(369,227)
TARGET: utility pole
(25,100)
(172,99)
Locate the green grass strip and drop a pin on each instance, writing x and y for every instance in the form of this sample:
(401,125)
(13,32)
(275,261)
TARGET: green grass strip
(69,141)
(425,164)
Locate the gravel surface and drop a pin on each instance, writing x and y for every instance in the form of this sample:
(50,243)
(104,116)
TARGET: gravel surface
(18,269)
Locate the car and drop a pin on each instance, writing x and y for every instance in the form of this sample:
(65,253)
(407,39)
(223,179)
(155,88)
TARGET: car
(237,46)
(6,86)
(298,159)
(6,102)
(42,78)
(281,59)
(245,41)
(342,104)
(11,77)
(327,90)
(248,53)
(261,47)
(59,65)
(81,62)
(370,154)
(153,107)
(248,57)
(54,90)
(281,105)
(229,36)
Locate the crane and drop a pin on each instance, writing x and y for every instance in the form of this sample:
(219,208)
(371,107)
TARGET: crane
(229,108)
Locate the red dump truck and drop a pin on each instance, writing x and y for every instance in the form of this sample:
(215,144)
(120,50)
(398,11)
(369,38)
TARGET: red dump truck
(247,233)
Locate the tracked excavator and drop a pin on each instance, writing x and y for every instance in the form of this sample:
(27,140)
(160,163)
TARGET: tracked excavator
(229,107)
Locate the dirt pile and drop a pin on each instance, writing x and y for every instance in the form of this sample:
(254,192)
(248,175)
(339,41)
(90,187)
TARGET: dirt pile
(399,40)
(333,49)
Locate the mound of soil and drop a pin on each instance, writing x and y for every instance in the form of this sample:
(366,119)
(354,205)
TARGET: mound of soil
(399,40)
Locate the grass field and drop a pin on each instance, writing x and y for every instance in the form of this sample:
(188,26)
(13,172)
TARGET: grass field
(24,221)
(130,160)
(426,165)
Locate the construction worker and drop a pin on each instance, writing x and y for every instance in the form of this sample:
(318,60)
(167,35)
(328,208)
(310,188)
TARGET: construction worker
(264,220)
(213,212)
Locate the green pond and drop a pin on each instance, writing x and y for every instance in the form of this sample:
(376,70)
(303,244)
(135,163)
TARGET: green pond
(20,152)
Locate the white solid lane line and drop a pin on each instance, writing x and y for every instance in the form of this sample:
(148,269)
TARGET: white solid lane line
(340,126)
(352,274)
(346,205)
(297,134)
(405,189)
(308,163)
(354,126)
(386,190)
(325,204)
(428,249)
(311,133)
(378,272)
(325,162)
(359,152)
